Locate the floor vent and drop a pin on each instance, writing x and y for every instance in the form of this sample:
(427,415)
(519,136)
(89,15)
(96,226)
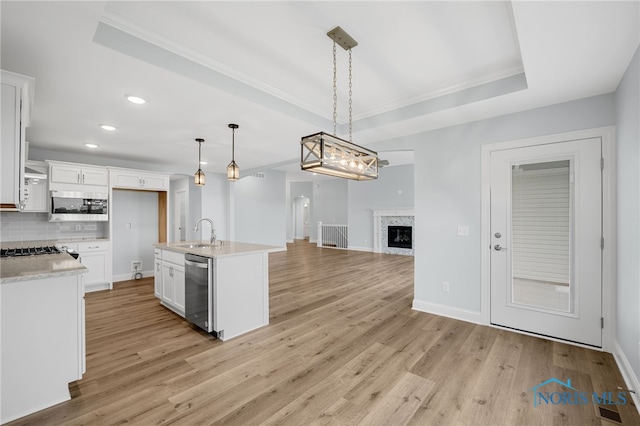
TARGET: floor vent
(608,414)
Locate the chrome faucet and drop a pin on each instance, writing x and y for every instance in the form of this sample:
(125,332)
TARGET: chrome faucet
(212,238)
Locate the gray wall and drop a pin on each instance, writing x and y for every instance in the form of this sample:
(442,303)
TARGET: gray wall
(140,209)
(215,203)
(330,202)
(259,209)
(627,105)
(393,188)
(448,178)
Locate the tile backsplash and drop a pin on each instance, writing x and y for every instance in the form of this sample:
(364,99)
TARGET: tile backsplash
(16,226)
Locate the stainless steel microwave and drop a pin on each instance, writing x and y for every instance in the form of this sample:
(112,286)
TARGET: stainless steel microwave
(78,207)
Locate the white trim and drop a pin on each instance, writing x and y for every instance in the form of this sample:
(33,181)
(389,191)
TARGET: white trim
(608,218)
(377,223)
(447,311)
(368,249)
(130,276)
(629,376)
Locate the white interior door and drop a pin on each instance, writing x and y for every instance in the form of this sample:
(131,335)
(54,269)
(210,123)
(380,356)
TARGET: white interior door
(546,233)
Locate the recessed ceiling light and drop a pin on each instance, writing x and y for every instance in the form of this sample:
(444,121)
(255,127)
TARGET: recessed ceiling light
(203,162)
(135,99)
(107,127)
(90,145)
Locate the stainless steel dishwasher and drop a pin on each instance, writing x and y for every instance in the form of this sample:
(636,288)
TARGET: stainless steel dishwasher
(199,291)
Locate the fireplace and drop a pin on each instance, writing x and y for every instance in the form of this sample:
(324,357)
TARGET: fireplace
(399,236)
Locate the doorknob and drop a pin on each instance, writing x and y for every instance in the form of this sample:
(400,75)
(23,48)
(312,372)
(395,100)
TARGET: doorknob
(498,247)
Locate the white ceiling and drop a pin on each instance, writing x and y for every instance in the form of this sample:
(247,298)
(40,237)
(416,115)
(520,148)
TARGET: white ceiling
(267,66)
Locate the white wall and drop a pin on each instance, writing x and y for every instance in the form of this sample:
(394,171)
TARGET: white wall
(448,191)
(627,105)
(259,209)
(140,210)
(393,188)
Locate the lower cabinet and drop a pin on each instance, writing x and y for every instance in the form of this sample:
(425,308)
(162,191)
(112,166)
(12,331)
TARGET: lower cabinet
(157,273)
(172,286)
(96,257)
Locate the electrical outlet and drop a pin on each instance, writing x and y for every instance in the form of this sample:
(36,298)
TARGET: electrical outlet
(136,265)
(445,286)
(463,231)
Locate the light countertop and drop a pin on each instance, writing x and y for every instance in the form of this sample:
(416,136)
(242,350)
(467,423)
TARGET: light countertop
(228,248)
(44,243)
(26,268)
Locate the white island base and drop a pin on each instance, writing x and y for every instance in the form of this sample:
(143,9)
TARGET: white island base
(239,281)
(240,294)
(42,343)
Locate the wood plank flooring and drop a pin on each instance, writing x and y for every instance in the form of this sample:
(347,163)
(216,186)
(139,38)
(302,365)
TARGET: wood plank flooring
(343,348)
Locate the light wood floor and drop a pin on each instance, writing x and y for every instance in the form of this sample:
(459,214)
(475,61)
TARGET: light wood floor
(343,347)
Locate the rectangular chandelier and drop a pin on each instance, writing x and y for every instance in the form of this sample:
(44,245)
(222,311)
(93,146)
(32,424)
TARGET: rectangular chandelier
(330,155)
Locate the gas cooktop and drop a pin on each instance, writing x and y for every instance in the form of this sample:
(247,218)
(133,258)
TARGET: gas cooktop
(28,251)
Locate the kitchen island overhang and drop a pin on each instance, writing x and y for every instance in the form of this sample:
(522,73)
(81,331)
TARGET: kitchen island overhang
(236,287)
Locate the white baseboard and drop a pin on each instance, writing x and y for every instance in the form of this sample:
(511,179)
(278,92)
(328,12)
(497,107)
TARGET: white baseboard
(130,276)
(628,374)
(369,249)
(447,311)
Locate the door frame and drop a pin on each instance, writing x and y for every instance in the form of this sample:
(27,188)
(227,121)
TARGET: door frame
(608,224)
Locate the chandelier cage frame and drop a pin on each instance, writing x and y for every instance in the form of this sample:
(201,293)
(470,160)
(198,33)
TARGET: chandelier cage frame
(328,154)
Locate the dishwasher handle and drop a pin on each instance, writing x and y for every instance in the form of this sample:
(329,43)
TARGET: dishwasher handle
(196,264)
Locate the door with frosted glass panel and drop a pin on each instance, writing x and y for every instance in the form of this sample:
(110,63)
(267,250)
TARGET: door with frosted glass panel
(546,228)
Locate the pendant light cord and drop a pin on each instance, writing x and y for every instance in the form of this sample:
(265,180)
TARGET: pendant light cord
(233,144)
(335,89)
(350,93)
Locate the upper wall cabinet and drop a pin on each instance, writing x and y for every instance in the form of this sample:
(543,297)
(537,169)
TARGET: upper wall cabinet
(138,179)
(77,177)
(17,99)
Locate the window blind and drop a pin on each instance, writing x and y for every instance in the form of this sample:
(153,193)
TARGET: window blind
(541,223)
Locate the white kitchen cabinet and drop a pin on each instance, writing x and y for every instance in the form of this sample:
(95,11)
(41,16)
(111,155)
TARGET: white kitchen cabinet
(173,292)
(138,179)
(157,273)
(77,174)
(17,98)
(97,258)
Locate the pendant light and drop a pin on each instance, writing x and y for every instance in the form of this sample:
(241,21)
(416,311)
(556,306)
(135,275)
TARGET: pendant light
(199,176)
(328,154)
(233,171)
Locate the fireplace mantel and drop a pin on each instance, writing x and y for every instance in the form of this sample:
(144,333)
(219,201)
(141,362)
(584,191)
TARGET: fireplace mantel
(379,229)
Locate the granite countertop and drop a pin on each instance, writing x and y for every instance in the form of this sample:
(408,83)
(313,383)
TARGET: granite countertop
(26,268)
(41,243)
(228,248)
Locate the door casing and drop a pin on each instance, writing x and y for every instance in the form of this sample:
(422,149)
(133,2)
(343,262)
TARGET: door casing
(608,223)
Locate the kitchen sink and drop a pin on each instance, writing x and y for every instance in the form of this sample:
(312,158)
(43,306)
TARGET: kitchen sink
(195,245)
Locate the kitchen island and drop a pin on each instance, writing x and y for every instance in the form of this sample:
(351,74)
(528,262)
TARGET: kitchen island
(42,339)
(236,284)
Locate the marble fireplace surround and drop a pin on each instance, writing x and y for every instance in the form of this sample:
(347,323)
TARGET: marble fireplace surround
(395,217)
